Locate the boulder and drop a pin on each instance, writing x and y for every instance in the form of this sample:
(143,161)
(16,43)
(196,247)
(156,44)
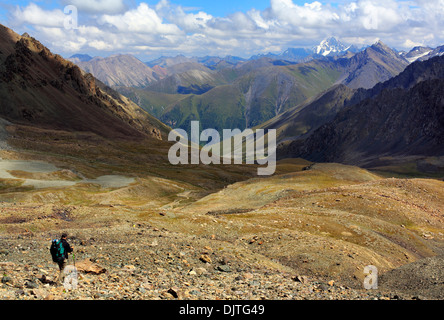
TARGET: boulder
(87,266)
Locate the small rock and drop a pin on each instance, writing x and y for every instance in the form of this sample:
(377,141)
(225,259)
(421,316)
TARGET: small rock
(174,292)
(154,243)
(31,285)
(195,293)
(129,268)
(142,290)
(301,279)
(323,287)
(248,276)
(171,215)
(205,258)
(45,280)
(224,268)
(7,279)
(21,292)
(39,293)
(201,271)
(224,260)
(7,265)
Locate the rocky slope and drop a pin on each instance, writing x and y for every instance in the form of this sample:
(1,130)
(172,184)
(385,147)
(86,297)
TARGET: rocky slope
(299,235)
(38,88)
(437,52)
(162,266)
(426,275)
(321,109)
(375,64)
(416,53)
(403,118)
(120,70)
(310,115)
(172,270)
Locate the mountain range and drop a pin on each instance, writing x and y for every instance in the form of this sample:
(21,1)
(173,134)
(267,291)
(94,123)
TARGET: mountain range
(120,70)
(398,120)
(252,92)
(330,47)
(303,101)
(127,70)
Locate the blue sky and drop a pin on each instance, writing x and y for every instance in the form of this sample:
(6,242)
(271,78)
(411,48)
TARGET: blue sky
(214,7)
(217,8)
(151,28)
(221,8)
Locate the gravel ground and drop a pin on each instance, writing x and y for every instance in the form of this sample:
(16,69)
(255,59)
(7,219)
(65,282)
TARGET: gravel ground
(425,276)
(140,262)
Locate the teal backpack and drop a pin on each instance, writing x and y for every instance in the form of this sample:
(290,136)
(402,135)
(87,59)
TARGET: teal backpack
(57,251)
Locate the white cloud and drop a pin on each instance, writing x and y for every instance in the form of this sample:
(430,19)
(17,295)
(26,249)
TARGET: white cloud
(168,28)
(141,20)
(310,15)
(34,15)
(189,22)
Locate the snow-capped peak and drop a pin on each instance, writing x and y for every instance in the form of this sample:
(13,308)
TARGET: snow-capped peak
(330,46)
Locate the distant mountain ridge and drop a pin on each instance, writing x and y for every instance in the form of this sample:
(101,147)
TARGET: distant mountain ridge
(127,71)
(330,47)
(80,58)
(375,64)
(417,53)
(401,117)
(253,92)
(120,70)
(232,92)
(303,120)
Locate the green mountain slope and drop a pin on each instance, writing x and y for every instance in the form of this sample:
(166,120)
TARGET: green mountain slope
(253,92)
(401,118)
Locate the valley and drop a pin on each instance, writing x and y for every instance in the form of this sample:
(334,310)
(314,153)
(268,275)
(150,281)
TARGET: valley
(77,156)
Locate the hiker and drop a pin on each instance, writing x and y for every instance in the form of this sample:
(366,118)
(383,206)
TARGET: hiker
(59,251)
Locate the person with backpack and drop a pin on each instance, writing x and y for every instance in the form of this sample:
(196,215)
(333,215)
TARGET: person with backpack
(60,249)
